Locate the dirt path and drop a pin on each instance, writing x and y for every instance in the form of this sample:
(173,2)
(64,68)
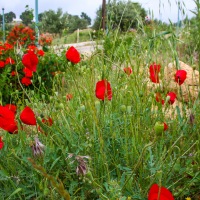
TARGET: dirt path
(85,48)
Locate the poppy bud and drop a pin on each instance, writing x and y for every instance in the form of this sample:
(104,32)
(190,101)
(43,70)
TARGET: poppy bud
(160,127)
(123,108)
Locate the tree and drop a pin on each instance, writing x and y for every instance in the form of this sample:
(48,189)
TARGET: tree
(122,14)
(9,17)
(54,22)
(40,16)
(86,17)
(27,16)
(75,22)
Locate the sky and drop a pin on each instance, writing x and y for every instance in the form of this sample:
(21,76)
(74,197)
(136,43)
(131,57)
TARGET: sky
(163,12)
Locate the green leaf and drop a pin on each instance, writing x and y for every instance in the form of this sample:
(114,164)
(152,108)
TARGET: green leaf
(15,192)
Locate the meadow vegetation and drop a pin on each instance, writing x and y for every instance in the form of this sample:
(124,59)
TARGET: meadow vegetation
(84,128)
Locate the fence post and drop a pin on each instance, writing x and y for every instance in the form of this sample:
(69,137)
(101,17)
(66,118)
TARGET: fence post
(77,35)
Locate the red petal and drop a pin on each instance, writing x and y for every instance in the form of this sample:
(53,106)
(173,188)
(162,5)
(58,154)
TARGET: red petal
(27,116)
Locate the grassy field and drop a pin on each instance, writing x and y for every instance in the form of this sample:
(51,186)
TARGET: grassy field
(105,142)
(82,36)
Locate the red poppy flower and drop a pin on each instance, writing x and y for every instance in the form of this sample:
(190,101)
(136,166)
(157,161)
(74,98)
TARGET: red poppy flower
(2,64)
(26,81)
(47,121)
(69,97)
(13,73)
(27,116)
(8,46)
(180,76)
(128,70)
(73,55)
(159,98)
(30,60)
(154,69)
(7,120)
(12,107)
(28,73)
(32,48)
(165,126)
(1,143)
(40,52)
(10,61)
(159,193)
(172,96)
(103,90)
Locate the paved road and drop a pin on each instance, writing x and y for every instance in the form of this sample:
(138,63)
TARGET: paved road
(86,48)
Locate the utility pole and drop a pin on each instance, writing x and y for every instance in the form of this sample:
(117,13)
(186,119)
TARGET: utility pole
(36,23)
(3,25)
(103,14)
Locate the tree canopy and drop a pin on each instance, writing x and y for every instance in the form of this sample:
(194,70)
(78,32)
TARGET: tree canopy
(124,14)
(75,22)
(27,16)
(86,17)
(9,17)
(54,22)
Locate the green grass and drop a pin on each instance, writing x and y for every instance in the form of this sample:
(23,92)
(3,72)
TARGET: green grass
(126,154)
(84,35)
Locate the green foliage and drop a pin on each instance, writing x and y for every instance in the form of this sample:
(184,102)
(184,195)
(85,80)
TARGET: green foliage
(9,17)
(75,22)
(86,17)
(27,16)
(54,22)
(124,154)
(122,14)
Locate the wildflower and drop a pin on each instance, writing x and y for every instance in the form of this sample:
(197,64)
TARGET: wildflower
(31,48)
(30,60)
(172,97)
(187,198)
(40,52)
(154,69)
(13,73)
(8,46)
(10,61)
(165,126)
(2,64)
(81,168)
(28,73)
(69,97)
(180,76)
(159,98)
(128,70)
(47,121)
(103,90)
(27,116)
(7,120)
(73,55)
(26,81)
(37,147)
(1,143)
(160,127)
(159,193)
(12,107)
